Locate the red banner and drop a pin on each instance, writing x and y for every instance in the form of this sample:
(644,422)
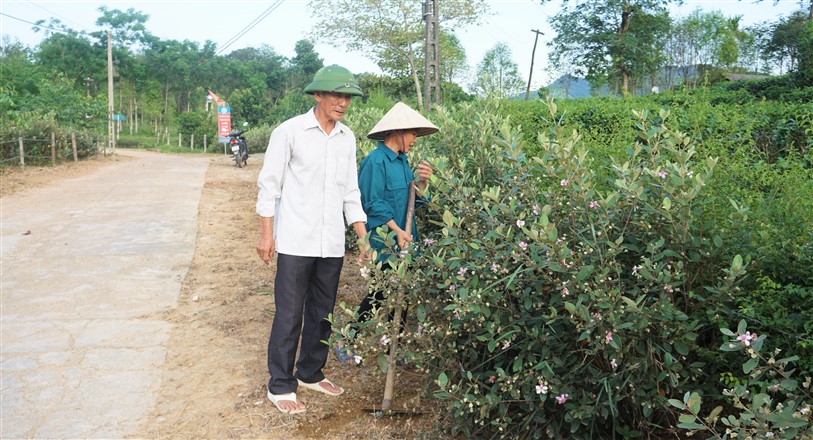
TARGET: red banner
(223,118)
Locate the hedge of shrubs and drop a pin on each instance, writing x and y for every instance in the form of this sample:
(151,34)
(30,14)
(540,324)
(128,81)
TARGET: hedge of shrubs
(581,267)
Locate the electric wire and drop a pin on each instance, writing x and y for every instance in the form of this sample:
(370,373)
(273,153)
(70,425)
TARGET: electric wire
(35,24)
(248,27)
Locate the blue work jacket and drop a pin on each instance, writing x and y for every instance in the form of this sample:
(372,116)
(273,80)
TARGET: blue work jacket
(384,178)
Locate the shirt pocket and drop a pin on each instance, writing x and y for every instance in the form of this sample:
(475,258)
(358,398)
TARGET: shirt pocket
(341,171)
(395,181)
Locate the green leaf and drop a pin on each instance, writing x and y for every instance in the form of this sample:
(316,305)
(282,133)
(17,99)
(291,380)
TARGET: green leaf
(443,380)
(690,426)
(676,403)
(681,348)
(789,384)
(694,403)
(448,219)
(667,203)
(686,418)
(748,366)
(715,413)
(584,272)
(785,419)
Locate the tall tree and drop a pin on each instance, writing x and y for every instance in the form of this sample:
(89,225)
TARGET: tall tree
(609,37)
(498,74)
(454,63)
(391,32)
(304,64)
(786,40)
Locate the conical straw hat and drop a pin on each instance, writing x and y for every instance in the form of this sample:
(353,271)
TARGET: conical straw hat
(401,117)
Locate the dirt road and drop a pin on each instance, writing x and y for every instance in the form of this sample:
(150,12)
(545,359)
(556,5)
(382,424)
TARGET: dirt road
(208,367)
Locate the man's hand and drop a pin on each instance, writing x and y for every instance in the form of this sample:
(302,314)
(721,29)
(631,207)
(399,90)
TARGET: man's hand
(364,245)
(365,252)
(266,248)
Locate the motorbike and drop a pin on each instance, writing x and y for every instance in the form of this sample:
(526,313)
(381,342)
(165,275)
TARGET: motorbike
(239,148)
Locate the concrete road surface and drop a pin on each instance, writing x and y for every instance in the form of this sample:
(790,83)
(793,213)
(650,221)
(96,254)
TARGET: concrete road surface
(88,264)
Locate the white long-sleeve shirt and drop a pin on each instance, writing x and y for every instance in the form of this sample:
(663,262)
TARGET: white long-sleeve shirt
(308,180)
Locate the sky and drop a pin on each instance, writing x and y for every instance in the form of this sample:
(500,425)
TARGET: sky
(511,22)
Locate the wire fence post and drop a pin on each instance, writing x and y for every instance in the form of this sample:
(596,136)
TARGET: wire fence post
(192,142)
(22,153)
(53,148)
(204,142)
(73,144)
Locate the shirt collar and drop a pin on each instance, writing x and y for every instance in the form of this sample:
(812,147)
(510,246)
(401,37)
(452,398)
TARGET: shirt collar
(391,155)
(312,122)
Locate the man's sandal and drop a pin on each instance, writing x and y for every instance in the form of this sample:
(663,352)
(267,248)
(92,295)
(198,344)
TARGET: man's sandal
(290,397)
(318,387)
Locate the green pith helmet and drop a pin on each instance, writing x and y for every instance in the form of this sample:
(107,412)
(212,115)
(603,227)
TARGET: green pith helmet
(334,78)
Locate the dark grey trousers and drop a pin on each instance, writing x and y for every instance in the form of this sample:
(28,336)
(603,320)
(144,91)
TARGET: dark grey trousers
(304,295)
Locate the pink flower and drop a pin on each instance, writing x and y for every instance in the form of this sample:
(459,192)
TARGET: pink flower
(428,241)
(384,340)
(491,379)
(663,174)
(593,204)
(564,182)
(520,223)
(495,267)
(747,338)
(561,399)
(523,245)
(462,271)
(452,288)
(609,336)
(536,209)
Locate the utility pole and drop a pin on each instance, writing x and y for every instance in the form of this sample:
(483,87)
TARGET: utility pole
(431,73)
(530,74)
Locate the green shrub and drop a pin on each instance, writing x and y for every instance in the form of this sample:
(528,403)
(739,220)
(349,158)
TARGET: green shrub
(544,306)
(770,404)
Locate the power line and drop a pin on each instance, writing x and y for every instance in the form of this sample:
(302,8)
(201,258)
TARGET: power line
(35,24)
(250,26)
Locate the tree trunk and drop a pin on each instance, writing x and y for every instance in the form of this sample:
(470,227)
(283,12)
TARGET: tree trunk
(415,79)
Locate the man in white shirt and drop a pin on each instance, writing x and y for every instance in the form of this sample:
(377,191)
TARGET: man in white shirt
(308,188)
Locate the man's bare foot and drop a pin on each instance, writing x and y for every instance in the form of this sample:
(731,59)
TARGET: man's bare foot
(323,386)
(287,403)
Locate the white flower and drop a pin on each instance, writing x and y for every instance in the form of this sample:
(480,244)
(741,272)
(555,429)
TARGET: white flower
(614,364)
(365,271)
(520,223)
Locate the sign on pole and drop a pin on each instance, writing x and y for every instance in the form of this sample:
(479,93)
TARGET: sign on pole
(223,118)
(223,122)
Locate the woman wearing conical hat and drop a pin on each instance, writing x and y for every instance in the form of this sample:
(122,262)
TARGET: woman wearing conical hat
(384,179)
(385,175)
